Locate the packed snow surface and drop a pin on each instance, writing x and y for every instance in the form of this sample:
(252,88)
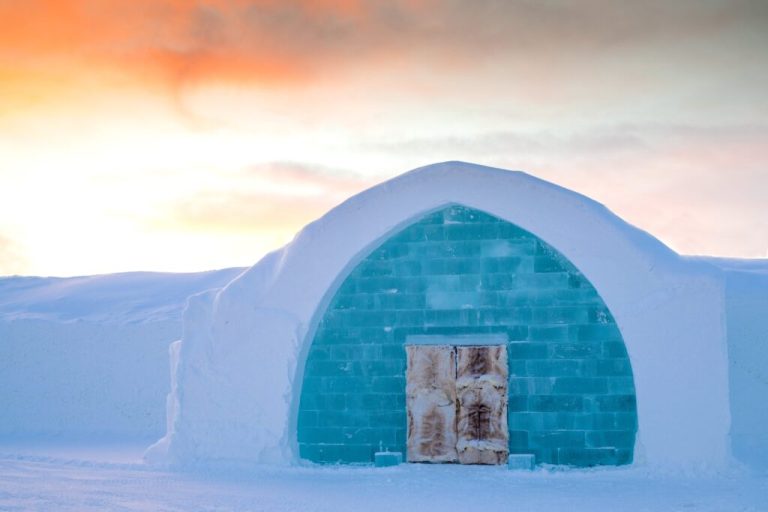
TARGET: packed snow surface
(109,480)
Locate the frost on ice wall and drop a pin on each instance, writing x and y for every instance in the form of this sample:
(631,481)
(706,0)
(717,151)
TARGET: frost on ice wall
(241,377)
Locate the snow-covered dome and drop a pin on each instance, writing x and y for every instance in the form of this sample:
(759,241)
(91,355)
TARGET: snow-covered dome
(238,372)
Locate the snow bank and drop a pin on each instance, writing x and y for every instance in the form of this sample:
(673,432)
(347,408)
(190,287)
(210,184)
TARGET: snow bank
(87,356)
(70,481)
(83,379)
(130,297)
(241,359)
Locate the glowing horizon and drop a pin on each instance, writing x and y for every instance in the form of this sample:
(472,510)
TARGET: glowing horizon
(171,136)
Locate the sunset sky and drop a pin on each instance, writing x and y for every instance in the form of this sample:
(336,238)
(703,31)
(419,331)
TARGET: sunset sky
(179,135)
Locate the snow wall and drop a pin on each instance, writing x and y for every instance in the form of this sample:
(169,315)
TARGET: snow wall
(239,367)
(87,357)
(83,380)
(747,321)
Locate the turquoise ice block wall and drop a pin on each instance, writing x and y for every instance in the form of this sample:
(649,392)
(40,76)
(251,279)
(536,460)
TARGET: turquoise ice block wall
(462,271)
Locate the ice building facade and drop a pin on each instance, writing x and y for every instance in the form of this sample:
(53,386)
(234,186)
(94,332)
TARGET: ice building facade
(459,313)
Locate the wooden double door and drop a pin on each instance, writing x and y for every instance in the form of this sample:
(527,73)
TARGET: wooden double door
(456,397)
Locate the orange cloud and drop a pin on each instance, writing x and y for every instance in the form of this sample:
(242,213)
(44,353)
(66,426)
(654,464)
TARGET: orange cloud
(263,40)
(277,42)
(66,52)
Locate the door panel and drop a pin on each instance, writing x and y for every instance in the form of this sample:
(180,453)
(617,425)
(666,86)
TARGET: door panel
(481,389)
(431,403)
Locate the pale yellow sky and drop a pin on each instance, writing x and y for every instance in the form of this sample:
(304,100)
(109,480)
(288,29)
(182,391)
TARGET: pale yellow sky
(172,136)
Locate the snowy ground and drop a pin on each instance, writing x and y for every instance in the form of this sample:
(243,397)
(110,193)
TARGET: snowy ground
(83,478)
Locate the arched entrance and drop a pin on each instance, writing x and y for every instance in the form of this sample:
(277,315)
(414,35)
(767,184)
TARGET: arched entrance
(459,271)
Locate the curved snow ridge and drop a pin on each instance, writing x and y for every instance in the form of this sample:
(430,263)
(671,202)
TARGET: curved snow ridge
(131,297)
(452,177)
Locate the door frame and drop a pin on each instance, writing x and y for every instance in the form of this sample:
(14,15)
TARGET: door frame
(454,342)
